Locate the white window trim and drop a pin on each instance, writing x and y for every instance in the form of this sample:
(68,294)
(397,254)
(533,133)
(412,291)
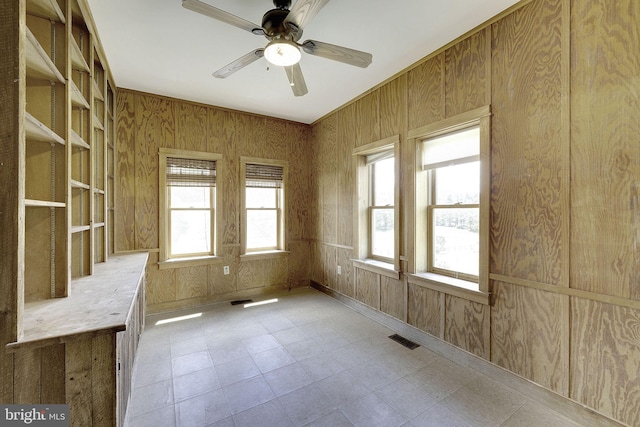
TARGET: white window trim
(282,223)
(361,222)
(164,261)
(418,199)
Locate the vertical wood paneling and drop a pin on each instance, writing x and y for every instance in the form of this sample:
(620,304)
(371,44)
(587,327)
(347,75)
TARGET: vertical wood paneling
(345,278)
(191,127)
(329,259)
(393,108)
(155,124)
(605,363)
(78,380)
(298,191)
(27,377)
(161,284)
(346,140)
(125,195)
(316,272)
(423,309)
(467,74)
(425,93)
(368,288)
(467,325)
(527,148)
(103,381)
(366,121)
(299,263)
(192,282)
(220,283)
(262,273)
(530,334)
(276,139)
(605,153)
(392,297)
(329,182)
(52,377)
(221,139)
(250,136)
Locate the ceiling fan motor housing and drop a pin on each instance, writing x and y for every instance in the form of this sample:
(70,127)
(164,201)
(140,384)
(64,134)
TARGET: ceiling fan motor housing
(273,23)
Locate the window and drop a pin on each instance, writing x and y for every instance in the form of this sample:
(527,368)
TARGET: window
(452,166)
(188,202)
(376,209)
(381,205)
(451,205)
(263,204)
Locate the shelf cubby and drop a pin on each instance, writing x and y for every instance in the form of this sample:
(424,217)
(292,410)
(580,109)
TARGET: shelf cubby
(45,274)
(80,250)
(47,9)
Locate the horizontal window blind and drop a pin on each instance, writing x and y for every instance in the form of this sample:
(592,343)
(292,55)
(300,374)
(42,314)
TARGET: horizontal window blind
(263,176)
(376,157)
(191,172)
(452,149)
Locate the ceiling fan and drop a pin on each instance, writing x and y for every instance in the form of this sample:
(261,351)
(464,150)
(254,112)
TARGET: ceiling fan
(283,28)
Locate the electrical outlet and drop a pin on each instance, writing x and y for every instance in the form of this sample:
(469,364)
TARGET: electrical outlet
(339,269)
(226,269)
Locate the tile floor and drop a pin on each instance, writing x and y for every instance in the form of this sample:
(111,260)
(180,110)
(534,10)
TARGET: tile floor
(307,360)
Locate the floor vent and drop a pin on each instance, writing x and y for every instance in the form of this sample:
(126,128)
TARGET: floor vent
(241,301)
(405,342)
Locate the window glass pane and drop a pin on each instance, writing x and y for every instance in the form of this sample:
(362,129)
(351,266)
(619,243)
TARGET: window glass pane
(456,240)
(261,197)
(190,232)
(458,184)
(382,232)
(383,182)
(262,229)
(190,197)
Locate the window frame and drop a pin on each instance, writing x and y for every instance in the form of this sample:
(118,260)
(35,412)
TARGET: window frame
(281,206)
(165,259)
(363,208)
(422,193)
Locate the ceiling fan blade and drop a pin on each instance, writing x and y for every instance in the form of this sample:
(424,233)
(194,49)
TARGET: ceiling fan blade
(296,80)
(239,63)
(303,11)
(221,15)
(337,53)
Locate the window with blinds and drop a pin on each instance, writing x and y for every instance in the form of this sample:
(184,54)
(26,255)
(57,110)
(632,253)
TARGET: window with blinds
(263,205)
(188,195)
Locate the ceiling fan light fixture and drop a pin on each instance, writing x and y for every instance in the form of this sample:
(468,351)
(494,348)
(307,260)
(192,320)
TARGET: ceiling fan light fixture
(282,52)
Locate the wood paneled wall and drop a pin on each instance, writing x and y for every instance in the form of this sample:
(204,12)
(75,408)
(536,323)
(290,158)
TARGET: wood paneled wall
(146,123)
(561,77)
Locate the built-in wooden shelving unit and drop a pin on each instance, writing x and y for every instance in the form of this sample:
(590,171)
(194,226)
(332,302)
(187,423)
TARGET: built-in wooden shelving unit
(69,150)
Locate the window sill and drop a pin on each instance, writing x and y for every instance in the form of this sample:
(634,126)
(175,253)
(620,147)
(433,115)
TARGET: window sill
(263,255)
(451,286)
(188,262)
(379,267)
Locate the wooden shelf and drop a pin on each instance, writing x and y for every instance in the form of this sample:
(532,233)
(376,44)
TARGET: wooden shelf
(39,65)
(47,9)
(97,92)
(43,204)
(77,141)
(77,99)
(97,123)
(37,131)
(77,60)
(79,185)
(98,191)
(80,228)
(98,225)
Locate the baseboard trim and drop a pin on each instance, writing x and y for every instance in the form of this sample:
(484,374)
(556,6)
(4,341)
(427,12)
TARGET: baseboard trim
(561,404)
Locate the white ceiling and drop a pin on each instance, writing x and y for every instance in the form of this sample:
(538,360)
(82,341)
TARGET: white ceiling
(158,46)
